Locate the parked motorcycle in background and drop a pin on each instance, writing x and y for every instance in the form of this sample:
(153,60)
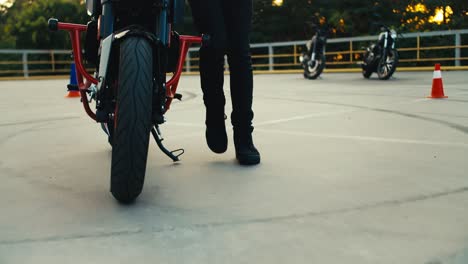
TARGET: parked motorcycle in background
(381,57)
(313,60)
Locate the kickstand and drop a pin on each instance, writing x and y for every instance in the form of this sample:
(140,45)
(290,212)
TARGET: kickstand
(175,154)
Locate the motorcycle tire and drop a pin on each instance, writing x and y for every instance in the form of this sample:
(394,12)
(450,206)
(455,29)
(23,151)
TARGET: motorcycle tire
(387,66)
(312,73)
(132,119)
(366,73)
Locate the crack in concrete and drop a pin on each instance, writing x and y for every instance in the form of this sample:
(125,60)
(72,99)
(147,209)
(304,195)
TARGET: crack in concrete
(461,128)
(73,237)
(394,202)
(411,199)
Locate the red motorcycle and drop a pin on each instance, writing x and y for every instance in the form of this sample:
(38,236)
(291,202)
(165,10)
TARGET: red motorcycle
(132,46)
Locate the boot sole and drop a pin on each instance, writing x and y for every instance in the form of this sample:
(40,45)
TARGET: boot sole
(248,160)
(222,146)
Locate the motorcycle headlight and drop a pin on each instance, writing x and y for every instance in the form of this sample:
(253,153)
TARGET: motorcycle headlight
(301,58)
(393,34)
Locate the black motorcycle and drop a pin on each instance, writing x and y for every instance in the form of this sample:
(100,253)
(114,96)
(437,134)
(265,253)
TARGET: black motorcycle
(381,57)
(313,60)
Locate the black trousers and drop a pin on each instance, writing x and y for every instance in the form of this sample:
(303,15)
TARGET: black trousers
(229,24)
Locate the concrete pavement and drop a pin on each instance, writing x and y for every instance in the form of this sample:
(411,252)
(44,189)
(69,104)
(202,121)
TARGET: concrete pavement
(353,171)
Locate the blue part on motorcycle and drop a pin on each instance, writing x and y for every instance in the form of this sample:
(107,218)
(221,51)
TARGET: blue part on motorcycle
(178,12)
(163,31)
(107,20)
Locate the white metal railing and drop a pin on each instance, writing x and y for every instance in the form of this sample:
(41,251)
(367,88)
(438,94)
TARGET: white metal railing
(266,56)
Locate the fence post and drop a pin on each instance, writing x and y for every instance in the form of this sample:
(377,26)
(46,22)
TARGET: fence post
(25,65)
(270,58)
(187,62)
(226,64)
(418,46)
(295,54)
(457,49)
(52,59)
(351,51)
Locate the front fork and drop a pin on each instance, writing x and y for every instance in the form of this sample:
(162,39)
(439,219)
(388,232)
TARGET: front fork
(384,51)
(314,49)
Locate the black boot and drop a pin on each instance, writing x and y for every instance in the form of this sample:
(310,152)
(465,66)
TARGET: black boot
(215,133)
(246,153)
(212,80)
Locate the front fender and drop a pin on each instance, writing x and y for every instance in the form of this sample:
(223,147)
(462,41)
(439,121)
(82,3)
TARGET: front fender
(108,45)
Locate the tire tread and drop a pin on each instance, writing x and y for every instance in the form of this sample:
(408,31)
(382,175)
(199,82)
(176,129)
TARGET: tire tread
(130,150)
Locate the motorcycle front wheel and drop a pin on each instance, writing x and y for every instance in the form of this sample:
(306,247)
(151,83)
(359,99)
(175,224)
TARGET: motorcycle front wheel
(132,119)
(313,69)
(366,73)
(387,66)
(366,69)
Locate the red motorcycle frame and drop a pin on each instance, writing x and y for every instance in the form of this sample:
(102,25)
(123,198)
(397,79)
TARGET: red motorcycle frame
(81,73)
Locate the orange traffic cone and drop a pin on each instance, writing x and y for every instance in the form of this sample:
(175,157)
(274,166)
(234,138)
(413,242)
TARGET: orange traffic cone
(437,85)
(73,90)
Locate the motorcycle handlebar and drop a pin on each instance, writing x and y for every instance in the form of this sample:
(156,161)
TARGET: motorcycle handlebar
(53,24)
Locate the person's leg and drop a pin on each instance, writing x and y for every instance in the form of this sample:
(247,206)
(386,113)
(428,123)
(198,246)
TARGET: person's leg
(208,18)
(238,20)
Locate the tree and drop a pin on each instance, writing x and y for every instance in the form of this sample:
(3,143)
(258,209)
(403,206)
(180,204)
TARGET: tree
(6,40)
(26,22)
(426,15)
(290,21)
